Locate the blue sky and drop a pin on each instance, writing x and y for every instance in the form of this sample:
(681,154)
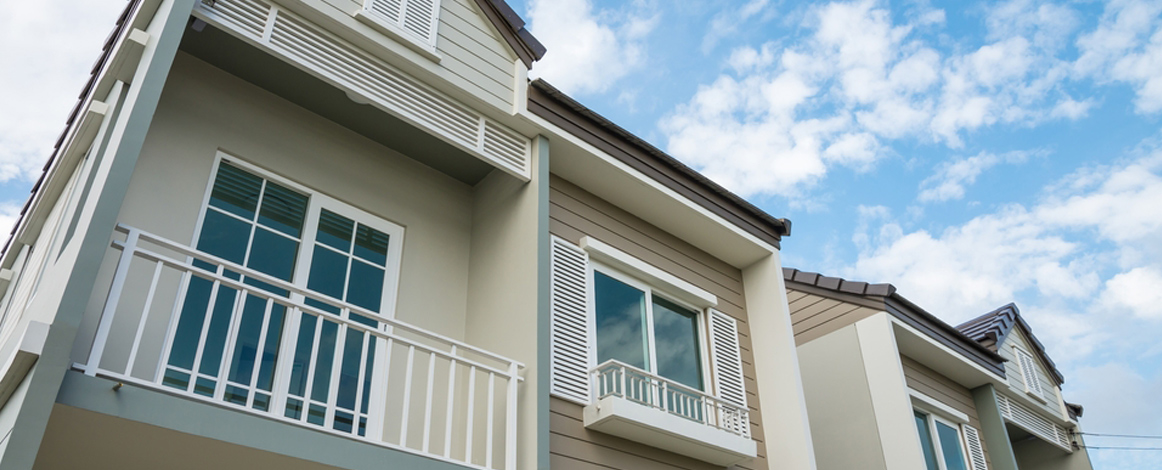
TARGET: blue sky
(972,154)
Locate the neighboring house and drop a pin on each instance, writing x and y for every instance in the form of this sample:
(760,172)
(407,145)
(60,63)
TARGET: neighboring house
(352,234)
(891,386)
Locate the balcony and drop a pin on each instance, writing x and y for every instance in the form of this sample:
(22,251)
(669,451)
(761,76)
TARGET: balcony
(271,348)
(643,407)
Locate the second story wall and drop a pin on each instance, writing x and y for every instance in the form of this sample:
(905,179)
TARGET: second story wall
(575,213)
(1048,400)
(813,316)
(936,385)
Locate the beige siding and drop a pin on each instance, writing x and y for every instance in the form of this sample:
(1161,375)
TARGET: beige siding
(1017,339)
(471,49)
(813,316)
(574,213)
(935,385)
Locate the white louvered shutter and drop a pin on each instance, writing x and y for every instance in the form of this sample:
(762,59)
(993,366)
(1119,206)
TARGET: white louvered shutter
(1029,373)
(418,17)
(975,449)
(727,359)
(569,292)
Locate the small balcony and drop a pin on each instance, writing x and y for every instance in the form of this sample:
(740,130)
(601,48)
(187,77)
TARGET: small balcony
(267,347)
(640,406)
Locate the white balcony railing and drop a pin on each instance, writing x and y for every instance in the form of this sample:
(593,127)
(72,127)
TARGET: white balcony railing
(613,378)
(374,379)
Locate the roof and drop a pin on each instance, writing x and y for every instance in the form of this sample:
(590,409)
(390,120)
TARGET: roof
(884,297)
(512,27)
(1075,410)
(991,330)
(558,108)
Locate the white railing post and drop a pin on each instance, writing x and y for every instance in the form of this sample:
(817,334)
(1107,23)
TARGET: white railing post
(111,302)
(510,419)
(665,398)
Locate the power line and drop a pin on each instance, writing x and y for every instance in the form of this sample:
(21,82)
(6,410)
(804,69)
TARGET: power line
(1122,448)
(1129,436)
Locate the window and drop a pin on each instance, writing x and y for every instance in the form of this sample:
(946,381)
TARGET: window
(1029,373)
(414,23)
(636,326)
(313,242)
(940,443)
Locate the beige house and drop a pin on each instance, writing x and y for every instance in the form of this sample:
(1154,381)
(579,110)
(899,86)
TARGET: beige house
(352,234)
(891,386)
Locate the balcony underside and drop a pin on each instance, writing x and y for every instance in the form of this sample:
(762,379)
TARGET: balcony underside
(288,82)
(93,426)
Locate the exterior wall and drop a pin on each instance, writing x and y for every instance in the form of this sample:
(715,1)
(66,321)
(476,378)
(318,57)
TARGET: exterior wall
(814,316)
(943,389)
(839,403)
(472,53)
(204,110)
(574,213)
(1051,404)
(1034,454)
(10,410)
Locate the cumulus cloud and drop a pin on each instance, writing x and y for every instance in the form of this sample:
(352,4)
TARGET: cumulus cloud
(55,44)
(726,22)
(782,116)
(589,50)
(954,176)
(1126,47)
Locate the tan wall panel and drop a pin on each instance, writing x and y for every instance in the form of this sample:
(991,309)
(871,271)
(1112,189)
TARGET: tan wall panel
(574,213)
(935,385)
(814,316)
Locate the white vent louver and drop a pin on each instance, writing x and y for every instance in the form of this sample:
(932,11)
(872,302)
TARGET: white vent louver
(727,358)
(418,18)
(1029,373)
(1029,420)
(975,449)
(334,60)
(569,294)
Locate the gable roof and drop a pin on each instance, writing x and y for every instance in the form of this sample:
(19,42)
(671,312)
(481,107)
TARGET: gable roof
(563,111)
(884,297)
(991,330)
(512,27)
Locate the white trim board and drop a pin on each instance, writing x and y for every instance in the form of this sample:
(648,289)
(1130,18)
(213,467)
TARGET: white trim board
(669,283)
(932,405)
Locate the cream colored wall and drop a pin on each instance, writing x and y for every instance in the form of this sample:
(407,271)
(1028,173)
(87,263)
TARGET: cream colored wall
(204,110)
(839,403)
(1035,454)
(1051,396)
(10,410)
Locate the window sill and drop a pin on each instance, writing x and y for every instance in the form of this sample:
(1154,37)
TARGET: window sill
(626,419)
(393,32)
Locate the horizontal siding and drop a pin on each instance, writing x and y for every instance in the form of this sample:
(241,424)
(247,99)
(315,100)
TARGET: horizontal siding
(935,385)
(472,50)
(1017,339)
(575,213)
(813,316)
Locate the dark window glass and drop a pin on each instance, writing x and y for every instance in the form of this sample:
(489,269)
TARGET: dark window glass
(224,236)
(273,254)
(335,231)
(236,191)
(371,245)
(365,288)
(676,343)
(621,317)
(283,209)
(926,440)
(328,272)
(950,446)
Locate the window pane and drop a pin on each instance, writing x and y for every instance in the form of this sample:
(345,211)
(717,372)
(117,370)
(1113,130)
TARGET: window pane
(335,230)
(926,441)
(236,191)
(621,316)
(224,236)
(328,272)
(365,288)
(676,343)
(371,245)
(273,254)
(283,209)
(950,445)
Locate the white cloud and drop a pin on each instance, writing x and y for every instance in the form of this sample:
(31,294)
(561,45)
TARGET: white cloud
(726,22)
(48,49)
(1139,291)
(589,51)
(858,78)
(9,214)
(1126,47)
(952,177)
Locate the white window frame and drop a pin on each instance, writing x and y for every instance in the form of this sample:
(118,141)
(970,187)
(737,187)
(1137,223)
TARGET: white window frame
(934,435)
(425,48)
(316,201)
(1027,374)
(650,291)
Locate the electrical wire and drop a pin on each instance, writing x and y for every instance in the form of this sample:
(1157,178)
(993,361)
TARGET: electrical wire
(1121,448)
(1128,436)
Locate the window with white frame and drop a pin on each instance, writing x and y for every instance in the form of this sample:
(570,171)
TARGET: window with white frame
(279,229)
(1028,366)
(416,22)
(940,442)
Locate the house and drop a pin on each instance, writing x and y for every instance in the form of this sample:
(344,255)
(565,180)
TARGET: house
(891,386)
(353,234)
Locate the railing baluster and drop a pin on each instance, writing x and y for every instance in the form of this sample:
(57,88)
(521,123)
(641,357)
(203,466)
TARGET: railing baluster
(359,383)
(489,430)
(428,401)
(407,397)
(310,377)
(378,406)
(196,369)
(332,402)
(471,412)
(451,404)
(510,420)
(284,366)
(144,317)
(106,323)
(262,332)
(231,338)
(171,327)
